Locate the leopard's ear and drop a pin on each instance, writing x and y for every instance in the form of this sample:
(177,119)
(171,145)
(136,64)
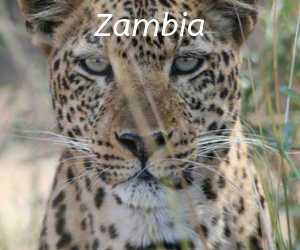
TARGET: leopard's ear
(234,18)
(43,17)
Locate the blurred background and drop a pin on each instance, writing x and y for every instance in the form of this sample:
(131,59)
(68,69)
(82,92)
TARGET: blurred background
(28,160)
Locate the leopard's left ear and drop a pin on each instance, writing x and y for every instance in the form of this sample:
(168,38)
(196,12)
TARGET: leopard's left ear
(43,17)
(234,18)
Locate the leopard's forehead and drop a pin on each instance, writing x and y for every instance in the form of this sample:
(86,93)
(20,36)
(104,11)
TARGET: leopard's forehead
(145,8)
(145,47)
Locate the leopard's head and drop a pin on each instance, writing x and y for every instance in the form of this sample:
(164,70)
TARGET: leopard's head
(148,106)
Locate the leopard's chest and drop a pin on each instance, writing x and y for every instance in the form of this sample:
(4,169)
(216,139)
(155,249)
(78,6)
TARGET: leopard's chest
(141,229)
(124,227)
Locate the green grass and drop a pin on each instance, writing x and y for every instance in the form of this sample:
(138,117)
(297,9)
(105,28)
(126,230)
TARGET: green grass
(276,77)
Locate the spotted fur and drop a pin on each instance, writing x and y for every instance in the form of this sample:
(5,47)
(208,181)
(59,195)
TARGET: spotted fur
(200,190)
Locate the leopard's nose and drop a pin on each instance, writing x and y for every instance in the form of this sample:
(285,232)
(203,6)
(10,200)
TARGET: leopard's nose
(141,146)
(133,143)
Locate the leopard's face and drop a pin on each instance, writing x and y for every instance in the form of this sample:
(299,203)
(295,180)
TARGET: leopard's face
(145,104)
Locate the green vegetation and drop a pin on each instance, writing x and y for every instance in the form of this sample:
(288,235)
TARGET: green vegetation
(271,78)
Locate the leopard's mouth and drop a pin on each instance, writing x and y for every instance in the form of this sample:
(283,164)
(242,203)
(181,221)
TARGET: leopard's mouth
(149,188)
(142,190)
(144,175)
(164,180)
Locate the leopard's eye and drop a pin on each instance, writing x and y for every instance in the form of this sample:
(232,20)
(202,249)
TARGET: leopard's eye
(186,65)
(96,66)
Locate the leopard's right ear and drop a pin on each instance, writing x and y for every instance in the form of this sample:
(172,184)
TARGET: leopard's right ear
(43,17)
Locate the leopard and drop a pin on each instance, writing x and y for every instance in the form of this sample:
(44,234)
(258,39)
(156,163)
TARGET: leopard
(155,156)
